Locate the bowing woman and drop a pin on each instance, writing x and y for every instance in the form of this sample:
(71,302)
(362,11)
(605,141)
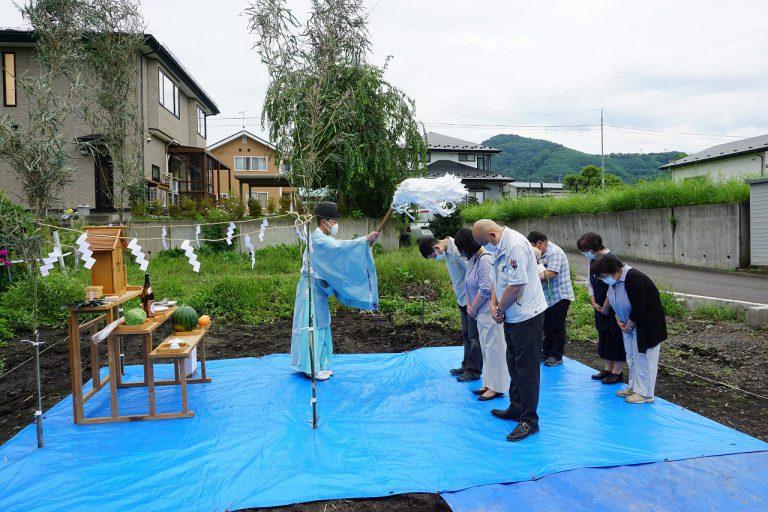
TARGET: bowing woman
(610,342)
(639,313)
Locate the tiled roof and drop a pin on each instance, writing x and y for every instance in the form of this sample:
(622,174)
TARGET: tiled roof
(738,147)
(465,172)
(439,142)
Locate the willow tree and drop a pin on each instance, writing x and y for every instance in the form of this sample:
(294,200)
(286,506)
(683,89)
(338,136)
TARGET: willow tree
(37,148)
(331,114)
(114,37)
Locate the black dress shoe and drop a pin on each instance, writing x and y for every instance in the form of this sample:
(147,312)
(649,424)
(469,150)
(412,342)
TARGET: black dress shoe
(457,371)
(479,391)
(613,378)
(467,377)
(483,398)
(506,414)
(522,430)
(601,375)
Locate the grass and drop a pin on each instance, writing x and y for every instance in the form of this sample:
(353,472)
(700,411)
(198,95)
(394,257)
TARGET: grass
(659,193)
(228,289)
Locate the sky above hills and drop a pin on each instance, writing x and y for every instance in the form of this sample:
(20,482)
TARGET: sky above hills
(671,71)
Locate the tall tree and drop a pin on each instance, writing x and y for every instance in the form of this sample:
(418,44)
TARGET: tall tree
(115,34)
(37,148)
(589,179)
(332,116)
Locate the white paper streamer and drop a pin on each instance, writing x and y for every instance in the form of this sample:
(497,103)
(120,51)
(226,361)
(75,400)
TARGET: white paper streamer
(249,246)
(197,235)
(262,229)
(438,195)
(189,252)
(84,248)
(164,234)
(301,233)
(48,262)
(135,249)
(230,232)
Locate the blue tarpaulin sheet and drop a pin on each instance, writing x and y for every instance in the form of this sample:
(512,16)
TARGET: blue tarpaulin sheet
(736,483)
(389,423)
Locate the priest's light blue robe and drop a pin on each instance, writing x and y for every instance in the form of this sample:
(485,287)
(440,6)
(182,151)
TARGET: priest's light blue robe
(343,268)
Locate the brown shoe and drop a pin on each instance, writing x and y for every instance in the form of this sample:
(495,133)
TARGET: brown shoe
(613,378)
(601,375)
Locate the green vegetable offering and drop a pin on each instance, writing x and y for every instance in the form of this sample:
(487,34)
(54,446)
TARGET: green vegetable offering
(184,318)
(135,316)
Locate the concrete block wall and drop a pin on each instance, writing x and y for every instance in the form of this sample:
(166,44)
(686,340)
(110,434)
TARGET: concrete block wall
(184,229)
(711,236)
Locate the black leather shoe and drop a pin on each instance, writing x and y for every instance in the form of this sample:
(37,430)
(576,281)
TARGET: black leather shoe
(601,375)
(482,398)
(613,378)
(457,371)
(506,414)
(552,361)
(479,391)
(522,430)
(467,377)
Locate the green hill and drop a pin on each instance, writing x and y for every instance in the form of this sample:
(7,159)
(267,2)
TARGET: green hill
(529,159)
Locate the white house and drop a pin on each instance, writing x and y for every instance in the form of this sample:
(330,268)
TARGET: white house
(740,159)
(469,161)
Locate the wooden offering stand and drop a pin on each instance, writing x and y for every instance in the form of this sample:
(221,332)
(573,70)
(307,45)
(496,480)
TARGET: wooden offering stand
(109,272)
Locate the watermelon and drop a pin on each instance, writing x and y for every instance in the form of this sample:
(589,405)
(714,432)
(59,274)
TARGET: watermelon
(184,318)
(135,316)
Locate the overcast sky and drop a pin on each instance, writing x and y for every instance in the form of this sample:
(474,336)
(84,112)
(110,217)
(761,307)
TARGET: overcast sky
(482,67)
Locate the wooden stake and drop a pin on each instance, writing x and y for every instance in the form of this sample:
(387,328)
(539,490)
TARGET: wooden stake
(385,219)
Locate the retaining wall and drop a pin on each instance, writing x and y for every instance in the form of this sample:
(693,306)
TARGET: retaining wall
(185,229)
(710,236)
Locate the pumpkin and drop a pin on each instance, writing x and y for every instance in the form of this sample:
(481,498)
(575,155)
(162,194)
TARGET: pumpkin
(135,316)
(184,318)
(203,320)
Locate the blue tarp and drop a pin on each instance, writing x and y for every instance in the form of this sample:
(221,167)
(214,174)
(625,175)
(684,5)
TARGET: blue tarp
(736,483)
(389,423)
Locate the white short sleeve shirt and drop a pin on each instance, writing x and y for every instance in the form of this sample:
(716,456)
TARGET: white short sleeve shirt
(515,264)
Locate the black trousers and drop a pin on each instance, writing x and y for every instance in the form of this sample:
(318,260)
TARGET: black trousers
(554,329)
(473,356)
(524,364)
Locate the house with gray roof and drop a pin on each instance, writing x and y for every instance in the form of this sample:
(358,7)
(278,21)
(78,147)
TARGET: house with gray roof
(744,158)
(469,161)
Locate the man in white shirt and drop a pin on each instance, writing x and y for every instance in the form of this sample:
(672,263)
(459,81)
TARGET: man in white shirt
(518,302)
(472,364)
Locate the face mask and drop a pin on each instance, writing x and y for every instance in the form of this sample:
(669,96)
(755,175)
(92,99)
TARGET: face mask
(440,256)
(488,246)
(589,255)
(609,280)
(333,228)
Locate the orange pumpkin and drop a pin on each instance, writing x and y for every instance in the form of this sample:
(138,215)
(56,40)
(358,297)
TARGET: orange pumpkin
(203,320)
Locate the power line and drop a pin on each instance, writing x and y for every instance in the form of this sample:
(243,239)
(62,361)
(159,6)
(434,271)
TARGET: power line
(409,27)
(646,68)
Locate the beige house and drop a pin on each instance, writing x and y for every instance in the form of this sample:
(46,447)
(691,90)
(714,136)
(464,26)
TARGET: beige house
(740,159)
(254,172)
(173,109)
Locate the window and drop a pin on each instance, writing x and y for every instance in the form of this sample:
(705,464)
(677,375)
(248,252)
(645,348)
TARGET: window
(466,157)
(250,163)
(155,173)
(169,93)
(481,162)
(429,157)
(261,197)
(201,122)
(9,79)
(478,195)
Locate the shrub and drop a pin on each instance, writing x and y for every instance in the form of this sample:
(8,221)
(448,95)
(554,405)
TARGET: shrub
(271,205)
(216,232)
(188,207)
(658,193)
(285,203)
(204,205)
(175,211)
(54,292)
(232,207)
(442,227)
(254,208)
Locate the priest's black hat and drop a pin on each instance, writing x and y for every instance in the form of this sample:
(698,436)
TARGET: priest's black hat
(327,210)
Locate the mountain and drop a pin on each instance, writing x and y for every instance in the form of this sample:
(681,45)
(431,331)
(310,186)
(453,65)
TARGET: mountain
(527,159)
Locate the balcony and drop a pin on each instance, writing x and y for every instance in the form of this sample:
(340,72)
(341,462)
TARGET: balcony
(196,171)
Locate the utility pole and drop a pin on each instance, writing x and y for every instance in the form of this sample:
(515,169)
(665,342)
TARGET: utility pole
(242,112)
(602,152)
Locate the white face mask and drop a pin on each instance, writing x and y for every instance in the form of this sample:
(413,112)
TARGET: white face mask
(332,228)
(488,246)
(589,255)
(609,280)
(440,256)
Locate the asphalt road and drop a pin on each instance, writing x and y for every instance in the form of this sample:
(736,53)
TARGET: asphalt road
(712,283)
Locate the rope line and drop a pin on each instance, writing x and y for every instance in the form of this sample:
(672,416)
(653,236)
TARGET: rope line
(46,349)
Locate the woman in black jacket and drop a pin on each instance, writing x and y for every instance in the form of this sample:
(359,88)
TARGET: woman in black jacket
(610,343)
(637,304)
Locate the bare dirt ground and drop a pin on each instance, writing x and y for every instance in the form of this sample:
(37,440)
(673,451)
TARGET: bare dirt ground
(724,352)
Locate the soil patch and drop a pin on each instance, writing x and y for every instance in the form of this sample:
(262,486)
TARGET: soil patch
(724,352)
